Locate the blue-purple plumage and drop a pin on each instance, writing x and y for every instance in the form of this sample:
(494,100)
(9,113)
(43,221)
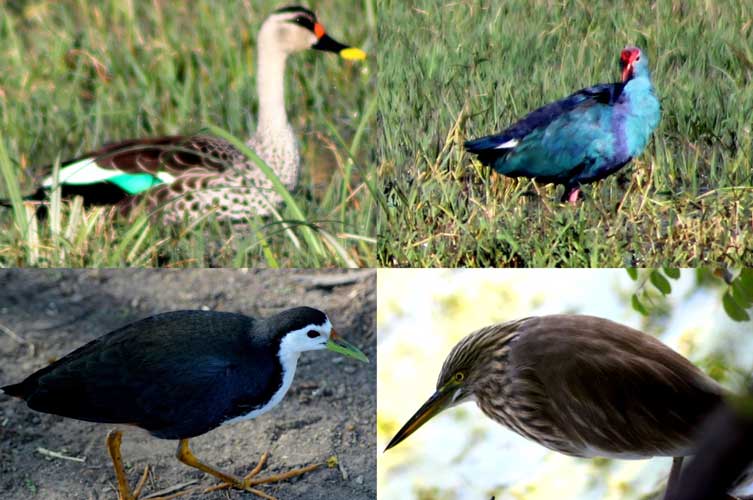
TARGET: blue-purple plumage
(582,138)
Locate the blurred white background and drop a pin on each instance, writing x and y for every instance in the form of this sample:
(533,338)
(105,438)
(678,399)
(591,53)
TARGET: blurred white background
(461,454)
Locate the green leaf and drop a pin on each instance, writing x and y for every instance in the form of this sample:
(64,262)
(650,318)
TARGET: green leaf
(740,295)
(745,282)
(632,272)
(733,309)
(638,306)
(672,272)
(660,282)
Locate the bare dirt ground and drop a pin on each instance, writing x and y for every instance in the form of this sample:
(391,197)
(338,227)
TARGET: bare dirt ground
(330,409)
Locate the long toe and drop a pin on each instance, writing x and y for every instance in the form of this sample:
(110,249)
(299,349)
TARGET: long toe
(244,484)
(280,477)
(250,480)
(249,489)
(141,483)
(175,491)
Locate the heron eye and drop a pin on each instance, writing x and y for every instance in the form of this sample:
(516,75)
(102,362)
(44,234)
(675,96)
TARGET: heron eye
(312,334)
(459,377)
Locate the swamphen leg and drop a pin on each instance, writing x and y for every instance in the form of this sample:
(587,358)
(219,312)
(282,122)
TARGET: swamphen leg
(571,194)
(587,176)
(573,197)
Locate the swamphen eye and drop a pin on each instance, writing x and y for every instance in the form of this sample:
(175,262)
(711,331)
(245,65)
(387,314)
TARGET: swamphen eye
(312,334)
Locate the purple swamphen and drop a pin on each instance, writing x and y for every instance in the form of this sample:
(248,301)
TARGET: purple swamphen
(581,138)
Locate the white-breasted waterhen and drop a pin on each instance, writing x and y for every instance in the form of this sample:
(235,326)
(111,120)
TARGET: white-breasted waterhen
(181,374)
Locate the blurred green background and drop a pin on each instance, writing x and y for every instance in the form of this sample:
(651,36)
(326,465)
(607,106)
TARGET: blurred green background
(77,74)
(461,454)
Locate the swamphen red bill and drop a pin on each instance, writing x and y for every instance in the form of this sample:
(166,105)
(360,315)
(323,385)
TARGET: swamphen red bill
(181,374)
(582,138)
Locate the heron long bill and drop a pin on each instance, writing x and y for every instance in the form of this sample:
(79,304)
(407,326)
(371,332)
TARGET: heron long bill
(438,402)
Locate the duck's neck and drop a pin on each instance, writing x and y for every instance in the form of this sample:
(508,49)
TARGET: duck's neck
(270,81)
(274,140)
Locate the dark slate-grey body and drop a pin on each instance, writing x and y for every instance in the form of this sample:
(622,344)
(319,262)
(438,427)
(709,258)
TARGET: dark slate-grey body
(177,375)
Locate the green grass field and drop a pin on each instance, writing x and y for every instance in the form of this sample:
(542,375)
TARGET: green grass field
(77,74)
(451,71)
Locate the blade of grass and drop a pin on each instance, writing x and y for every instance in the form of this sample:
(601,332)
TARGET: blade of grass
(308,233)
(13,189)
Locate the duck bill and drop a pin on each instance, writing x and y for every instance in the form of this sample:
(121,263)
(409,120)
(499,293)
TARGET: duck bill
(437,402)
(329,44)
(341,346)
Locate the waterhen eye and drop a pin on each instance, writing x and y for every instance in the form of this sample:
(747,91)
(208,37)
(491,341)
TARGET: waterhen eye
(312,334)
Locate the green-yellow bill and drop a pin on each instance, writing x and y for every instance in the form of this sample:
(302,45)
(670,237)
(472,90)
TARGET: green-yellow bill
(340,345)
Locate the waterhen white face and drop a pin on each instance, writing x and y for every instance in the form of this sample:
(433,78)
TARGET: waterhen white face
(181,374)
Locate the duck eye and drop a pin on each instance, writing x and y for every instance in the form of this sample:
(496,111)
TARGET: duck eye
(304,21)
(459,377)
(312,334)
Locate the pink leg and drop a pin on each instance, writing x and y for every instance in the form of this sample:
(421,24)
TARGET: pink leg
(573,198)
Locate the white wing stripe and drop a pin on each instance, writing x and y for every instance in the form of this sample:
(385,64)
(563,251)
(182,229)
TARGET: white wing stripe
(88,172)
(165,177)
(508,145)
(82,172)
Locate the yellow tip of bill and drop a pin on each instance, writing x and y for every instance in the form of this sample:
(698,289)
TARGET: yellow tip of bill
(353,54)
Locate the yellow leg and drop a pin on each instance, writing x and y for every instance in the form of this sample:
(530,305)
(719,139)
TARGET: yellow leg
(114,438)
(185,455)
